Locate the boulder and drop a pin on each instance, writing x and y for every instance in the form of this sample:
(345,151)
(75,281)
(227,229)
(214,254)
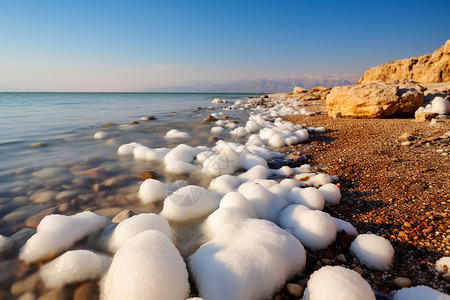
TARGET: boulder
(298,89)
(433,67)
(320,89)
(375,100)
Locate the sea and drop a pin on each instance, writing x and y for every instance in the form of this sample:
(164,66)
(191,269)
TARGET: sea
(47,141)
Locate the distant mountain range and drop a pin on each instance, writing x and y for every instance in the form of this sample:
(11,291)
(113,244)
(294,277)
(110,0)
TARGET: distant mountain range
(285,85)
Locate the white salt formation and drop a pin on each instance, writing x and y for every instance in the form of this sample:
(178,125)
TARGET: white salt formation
(443,265)
(148,266)
(74,266)
(189,202)
(310,197)
(420,292)
(249,259)
(176,134)
(373,251)
(337,283)
(346,226)
(439,105)
(100,135)
(56,233)
(131,227)
(152,190)
(331,193)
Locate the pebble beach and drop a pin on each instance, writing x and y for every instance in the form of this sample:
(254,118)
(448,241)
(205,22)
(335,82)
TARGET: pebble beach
(242,171)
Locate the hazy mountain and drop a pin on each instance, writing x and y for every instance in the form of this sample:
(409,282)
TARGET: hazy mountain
(284,85)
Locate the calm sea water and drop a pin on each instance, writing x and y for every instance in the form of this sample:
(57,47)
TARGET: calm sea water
(66,123)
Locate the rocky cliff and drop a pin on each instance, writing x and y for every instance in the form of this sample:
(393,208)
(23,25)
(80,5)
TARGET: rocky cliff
(433,67)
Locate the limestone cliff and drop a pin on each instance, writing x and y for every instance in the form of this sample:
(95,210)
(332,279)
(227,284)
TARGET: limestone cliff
(433,67)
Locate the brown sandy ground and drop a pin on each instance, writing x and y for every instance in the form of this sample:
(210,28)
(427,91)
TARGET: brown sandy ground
(399,192)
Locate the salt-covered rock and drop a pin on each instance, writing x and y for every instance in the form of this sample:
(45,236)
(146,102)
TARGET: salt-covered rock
(100,135)
(180,167)
(224,184)
(373,251)
(74,266)
(310,197)
(346,226)
(152,190)
(257,172)
(439,106)
(331,193)
(420,292)
(127,149)
(238,201)
(337,283)
(176,134)
(131,227)
(56,233)
(188,203)
(217,165)
(217,130)
(251,259)
(148,266)
(266,206)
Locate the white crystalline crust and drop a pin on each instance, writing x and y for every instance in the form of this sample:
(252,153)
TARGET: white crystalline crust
(148,266)
(374,251)
(57,233)
(420,292)
(74,266)
(337,283)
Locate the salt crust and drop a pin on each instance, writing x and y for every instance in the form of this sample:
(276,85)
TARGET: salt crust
(337,283)
(56,233)
(133,269)
(74,266)
(373,251)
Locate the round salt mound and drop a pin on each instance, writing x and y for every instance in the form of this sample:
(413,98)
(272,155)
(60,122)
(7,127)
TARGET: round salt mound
(373,251)
(420,292)
(443,265)
(189,202)
(337,283)
(152,190)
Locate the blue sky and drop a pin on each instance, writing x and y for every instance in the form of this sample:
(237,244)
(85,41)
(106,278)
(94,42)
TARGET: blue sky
(133,45)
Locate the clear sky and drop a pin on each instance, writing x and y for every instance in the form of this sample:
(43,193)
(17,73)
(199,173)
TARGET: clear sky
(107,45)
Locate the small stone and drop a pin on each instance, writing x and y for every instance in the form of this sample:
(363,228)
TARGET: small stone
(294,289)
(358,270)
(38,145)
(34,220)
(109,212)
(402,282)
(148,175)
(66,195)
(326,261)
(341,258)
(209,119)
(406,137)
(425,117)
(123,215)
(86,291)
(402,234)
(197,109)
(407,224)
(134,122)
(57,294)
(28,284)
(65,207)
(213,139)
(43,196)
(432,138)
(225,117)
(94,172)
(407,143)
(150,118)
(108,124)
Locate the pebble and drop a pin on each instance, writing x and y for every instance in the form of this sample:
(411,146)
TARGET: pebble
(402,282)
(108,123)
(358,270)
(86,291)
(66,195)
(407,143)
(209,119)
(109,212)
(65,207)
(28,284)
(341,258)
(38,145)
(34,220)
(123,215)
(433,138)
(134,122)
(150,118)
(148,175)
(48,172)
(23,212)
(57,294)
(294,289)
(326,261)
(407,224)
(213,139)
(43,196)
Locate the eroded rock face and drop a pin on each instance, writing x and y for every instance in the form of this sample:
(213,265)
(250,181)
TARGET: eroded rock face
(375,100)
(433,67)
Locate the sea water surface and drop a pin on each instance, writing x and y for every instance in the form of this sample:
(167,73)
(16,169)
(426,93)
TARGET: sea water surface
(64,124)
